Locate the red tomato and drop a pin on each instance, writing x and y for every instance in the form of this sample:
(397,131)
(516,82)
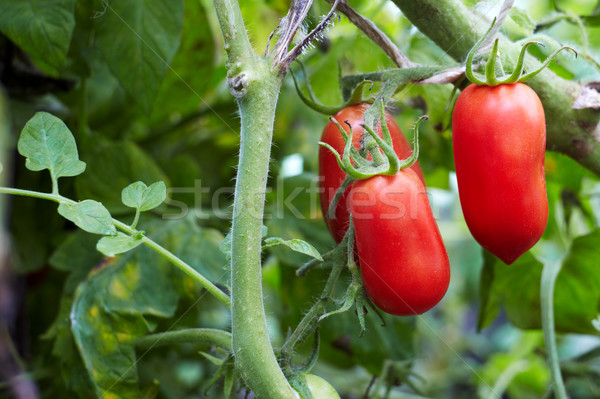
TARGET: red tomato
(329,171)
(403,261)
(499,139)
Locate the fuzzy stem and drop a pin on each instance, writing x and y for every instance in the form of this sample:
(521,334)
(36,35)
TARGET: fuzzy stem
(256,87)
(251,344)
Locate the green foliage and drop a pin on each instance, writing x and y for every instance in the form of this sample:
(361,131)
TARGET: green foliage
(149,109)
(90,216)
(137,288)
(138,41)
(114,166)
(577,292)
(42,28)
(143,198)
(47,143)
(117,244)
(295,245)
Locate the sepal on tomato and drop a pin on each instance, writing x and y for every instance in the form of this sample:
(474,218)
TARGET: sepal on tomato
(490,67)
(384,160)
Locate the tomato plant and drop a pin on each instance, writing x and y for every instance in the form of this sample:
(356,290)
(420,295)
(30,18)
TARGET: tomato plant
(404,264)
(331,176)
(499,139)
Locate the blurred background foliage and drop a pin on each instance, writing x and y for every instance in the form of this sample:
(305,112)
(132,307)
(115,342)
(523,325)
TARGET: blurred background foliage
(167,115)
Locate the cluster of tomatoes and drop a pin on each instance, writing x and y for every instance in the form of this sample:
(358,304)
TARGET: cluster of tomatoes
(499,142)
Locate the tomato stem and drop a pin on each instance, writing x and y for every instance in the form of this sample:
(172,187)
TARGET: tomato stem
(255,85)
(310,321)
(338,194)
(549,275)
(490,68)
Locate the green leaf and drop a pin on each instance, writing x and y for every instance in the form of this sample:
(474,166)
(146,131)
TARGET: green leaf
(295,245)
(139,196)
(77,249)
(90,216)
(113,166)
(122,301)
(42,28)
(516,288)
(138,40)
(47,143)
(114,245)
(488,309)
(522,18)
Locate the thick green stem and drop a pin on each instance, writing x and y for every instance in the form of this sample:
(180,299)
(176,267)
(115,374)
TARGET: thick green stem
(251,343)
(549,274)
(453,27)
(256,87)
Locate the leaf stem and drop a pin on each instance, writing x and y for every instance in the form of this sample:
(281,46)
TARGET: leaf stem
(187,269)
(136,218)
(210,336)
(310,320)
(549,275)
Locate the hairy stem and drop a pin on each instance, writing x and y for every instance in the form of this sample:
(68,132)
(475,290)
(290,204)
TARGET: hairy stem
(251,344)
(256,88)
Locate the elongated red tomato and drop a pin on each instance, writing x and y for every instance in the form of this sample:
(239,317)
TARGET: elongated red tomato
(403,261)
(331,176)
(499,140)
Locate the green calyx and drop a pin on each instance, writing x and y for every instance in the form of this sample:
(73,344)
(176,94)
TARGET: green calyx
(356,163)
(490,67)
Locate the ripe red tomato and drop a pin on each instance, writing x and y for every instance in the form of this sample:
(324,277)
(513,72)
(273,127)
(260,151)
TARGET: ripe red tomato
(403,261)
(329,171)
(499,139)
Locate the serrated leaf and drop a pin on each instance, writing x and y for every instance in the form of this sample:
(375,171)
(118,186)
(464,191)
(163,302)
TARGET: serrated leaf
(42,28)
(114,245)
(522,18)
(47,143)
(90,216)
(295,245)
(138,40)
(139,196)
